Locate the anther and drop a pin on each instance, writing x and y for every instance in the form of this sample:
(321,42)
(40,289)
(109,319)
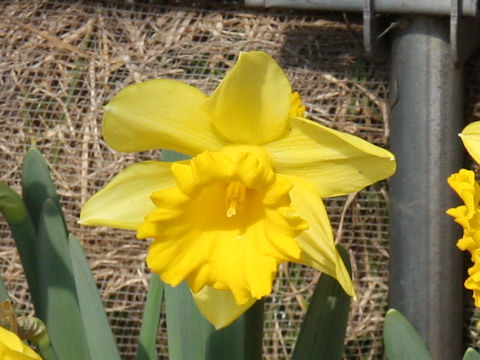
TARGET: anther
(234,197)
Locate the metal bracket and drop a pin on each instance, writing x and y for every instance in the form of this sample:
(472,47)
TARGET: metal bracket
(463,34)
(374,29)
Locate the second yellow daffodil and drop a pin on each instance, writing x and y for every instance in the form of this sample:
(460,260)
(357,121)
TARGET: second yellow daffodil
(468,215)
(250,197)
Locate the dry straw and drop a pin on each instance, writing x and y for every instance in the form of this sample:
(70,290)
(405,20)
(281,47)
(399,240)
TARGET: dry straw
(60,62)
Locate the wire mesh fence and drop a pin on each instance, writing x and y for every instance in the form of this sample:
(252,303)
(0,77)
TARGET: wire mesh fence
(60,62)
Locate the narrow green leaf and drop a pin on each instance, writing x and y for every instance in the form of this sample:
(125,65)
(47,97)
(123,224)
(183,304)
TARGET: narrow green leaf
(253,330)
(46,351)
(100,340)
(23,232)
(322,335)
(3,291)
(59,302)
(147,343)
(242,340)
(188,331)
(401,340)
(37,184)
(11,205)
(471,354)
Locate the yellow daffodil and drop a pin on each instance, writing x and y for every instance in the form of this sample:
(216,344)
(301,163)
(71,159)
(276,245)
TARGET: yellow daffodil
(250,197)
(468,215)
(12,348)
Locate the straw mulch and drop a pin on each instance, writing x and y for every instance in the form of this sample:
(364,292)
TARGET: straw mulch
(60,62)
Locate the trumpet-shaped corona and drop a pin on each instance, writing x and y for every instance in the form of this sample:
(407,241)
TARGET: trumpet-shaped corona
(227,224)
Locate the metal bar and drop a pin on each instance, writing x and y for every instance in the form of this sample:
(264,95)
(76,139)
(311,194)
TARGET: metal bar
(426,7)
(427,114)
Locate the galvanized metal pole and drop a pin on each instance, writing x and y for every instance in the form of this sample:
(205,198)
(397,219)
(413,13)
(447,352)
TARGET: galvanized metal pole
(427,114)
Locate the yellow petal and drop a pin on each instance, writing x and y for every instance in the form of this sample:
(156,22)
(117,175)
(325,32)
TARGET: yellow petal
(12,348)
(316,243)
(336,163)
(296,107)
(468,215)
(464,184)
(159,114)
(125,201)
(252,103)
(473,281)
(471,139)
(219,307)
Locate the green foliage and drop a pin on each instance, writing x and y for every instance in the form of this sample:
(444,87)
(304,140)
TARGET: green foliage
(322,334)
(61,285)
(37,185)
(191,336)
(3,291)
(402,341)
(23,231)
(100,340)
(471,354)
(147,343)
(59,302)
(188,331)
(242,340)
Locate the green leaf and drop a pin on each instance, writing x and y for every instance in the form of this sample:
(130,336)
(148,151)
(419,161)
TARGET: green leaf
(253,331)
(11,205)
(188,331)
(23,232)
(322,335)
(168,155)
(37,184)
(46,350)
(60,309)
(100,340)
(401,340)
(3,291)
(147,343)
(242,340)
(471,354)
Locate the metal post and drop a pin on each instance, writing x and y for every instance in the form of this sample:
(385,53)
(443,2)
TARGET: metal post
(427,114)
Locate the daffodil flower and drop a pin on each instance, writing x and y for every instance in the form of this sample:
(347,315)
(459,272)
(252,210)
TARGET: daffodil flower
(468,215)
(12,347)
(250,197)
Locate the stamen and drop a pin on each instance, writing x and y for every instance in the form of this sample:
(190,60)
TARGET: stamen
(235,197)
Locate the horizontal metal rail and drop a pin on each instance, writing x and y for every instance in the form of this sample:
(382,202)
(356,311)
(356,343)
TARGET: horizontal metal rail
(425,7)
